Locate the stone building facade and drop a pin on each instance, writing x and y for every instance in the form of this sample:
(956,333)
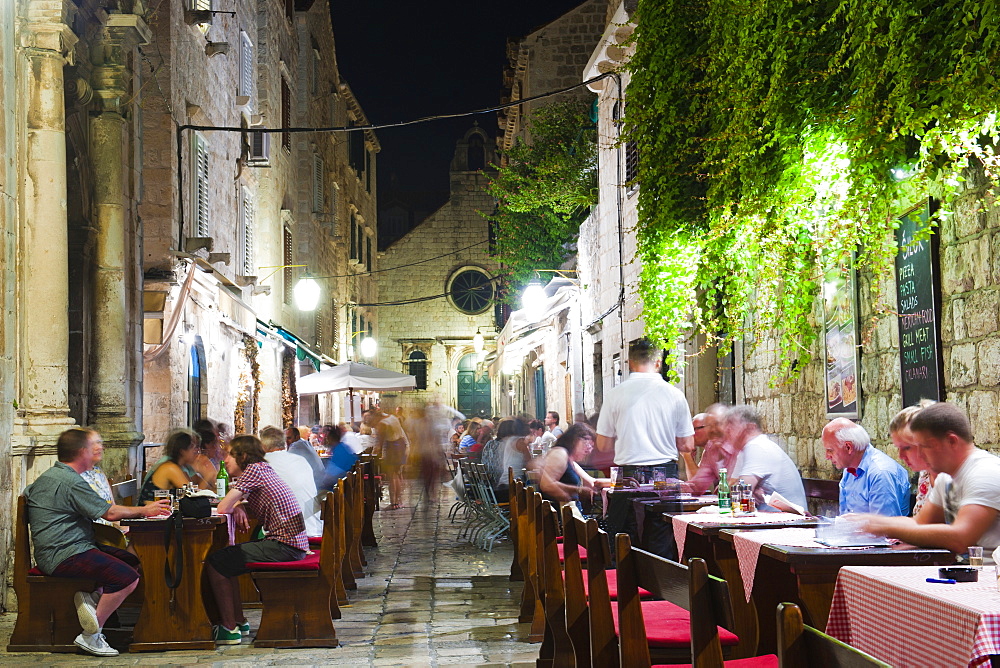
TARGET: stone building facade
(449,253)
(966,251)
(139,279)
(276,207)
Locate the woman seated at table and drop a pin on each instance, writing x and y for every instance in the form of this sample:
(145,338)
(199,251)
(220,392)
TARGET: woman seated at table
(206,465)
(561,478)
(469,436)
(174,469)
(902,438)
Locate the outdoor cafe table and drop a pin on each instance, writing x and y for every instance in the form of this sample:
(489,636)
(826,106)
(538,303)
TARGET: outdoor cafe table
(175,619)
(894,614)
(777,565)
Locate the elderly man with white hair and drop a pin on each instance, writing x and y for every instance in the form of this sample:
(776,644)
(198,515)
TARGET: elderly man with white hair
(873,482)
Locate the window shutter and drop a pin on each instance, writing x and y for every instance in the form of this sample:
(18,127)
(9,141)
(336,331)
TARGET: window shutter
(368,171)
(201,185)
(287,260)
(201,5)
(354,239)
(368,240)
(246,238)
(318,176)
(246,65)
(286,115)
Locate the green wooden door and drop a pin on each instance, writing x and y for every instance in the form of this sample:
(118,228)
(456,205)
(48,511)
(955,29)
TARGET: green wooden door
(473,389)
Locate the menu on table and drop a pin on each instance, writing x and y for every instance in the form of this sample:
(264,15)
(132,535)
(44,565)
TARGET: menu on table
(918,306)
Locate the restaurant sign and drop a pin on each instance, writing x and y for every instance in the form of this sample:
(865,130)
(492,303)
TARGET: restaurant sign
(841,336)
(918,305)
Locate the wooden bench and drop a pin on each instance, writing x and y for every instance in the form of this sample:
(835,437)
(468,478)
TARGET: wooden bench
(705,597)
(801,646)
(822,496)
(46,616)
(299,597)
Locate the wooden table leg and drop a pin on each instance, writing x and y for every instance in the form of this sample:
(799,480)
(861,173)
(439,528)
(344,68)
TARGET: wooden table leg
(816,585)
(172,619)
(744,612)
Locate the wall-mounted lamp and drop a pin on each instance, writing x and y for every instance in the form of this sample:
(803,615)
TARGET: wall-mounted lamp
(306,293)
(478,342)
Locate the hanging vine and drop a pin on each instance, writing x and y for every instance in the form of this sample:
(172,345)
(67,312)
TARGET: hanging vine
(289,396)
(545,190)
(774,133)
(248,393)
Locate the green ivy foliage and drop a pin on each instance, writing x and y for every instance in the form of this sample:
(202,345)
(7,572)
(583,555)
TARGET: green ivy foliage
(775,133)
(544,190)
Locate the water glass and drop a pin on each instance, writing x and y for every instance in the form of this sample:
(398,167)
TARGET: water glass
(976,557)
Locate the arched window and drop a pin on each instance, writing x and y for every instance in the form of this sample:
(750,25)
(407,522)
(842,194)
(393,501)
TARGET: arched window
(477,155)
(417,364)
(197,382)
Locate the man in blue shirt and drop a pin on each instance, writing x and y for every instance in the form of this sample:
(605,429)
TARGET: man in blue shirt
(873,482)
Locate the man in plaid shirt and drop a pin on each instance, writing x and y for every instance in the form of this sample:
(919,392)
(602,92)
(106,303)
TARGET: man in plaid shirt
(280,515)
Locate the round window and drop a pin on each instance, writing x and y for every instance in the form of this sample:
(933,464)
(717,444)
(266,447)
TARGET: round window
(471,291)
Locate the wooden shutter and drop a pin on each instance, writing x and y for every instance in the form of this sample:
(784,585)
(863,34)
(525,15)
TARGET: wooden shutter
(287,260)
(246,65)
(201,185)
(246,236)
(286,115)
(318,176)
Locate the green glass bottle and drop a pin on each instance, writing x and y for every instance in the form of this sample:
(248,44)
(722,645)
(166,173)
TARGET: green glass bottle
(222,480)
(725,502)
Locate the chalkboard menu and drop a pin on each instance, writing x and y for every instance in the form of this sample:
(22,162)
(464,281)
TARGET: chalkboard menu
(918,306)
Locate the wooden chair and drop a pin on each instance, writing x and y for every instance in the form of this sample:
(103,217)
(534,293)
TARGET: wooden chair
(126,491)
(46,616)
(707,599)
(372,491)
(298,597)
(353,520)
(801,646)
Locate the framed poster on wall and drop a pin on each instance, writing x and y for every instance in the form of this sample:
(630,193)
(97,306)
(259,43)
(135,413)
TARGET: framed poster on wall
(840,338)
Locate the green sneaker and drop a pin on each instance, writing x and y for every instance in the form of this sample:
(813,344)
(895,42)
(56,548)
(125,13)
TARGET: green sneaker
(224,636)
(245,629)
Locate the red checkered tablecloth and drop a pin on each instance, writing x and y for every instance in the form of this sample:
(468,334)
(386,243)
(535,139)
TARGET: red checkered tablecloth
(894,614)
(680,523)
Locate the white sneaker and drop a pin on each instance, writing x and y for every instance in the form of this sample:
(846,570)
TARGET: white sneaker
(86,611)
(95,644)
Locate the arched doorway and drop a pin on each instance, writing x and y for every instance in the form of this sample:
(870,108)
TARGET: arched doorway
(473,388)
(197,382)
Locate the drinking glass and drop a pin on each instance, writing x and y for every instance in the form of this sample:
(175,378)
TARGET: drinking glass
(976,557)
(659,478)
(616,477)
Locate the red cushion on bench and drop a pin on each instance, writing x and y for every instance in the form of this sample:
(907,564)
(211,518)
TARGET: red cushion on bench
(669,625)
(315,541)
(36,571)
(582,550)
(309,563)
(766,661)
(612,577)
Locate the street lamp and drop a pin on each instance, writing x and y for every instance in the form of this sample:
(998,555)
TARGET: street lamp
(533,299)
(478,342)
(306,293)
(368,347)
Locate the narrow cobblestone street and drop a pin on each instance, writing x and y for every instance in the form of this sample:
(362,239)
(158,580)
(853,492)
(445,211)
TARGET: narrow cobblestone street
(429,600)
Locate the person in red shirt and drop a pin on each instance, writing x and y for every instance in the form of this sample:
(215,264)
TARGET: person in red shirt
(274,505)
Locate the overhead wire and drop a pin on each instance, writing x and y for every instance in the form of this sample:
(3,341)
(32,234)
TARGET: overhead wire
(403,266)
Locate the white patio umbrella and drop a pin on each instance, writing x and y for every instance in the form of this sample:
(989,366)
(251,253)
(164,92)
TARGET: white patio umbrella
(351,376)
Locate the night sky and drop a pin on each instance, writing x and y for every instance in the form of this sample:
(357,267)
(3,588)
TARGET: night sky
(406,59)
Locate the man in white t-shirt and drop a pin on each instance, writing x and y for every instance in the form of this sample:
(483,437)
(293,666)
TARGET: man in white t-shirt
(761,462)
(645,420)
(963,508)
(552,424)
(297,474)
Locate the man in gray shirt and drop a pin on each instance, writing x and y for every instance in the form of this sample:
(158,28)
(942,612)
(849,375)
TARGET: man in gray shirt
(61,512)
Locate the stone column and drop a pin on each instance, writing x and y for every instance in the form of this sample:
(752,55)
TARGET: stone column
(109,396)
(42,274)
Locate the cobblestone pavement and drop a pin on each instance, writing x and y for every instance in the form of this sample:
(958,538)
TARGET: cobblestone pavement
(428,600)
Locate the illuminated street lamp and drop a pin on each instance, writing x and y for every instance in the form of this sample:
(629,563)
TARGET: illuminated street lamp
(306,293)
(533,299)
(478,342)
(368,347)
